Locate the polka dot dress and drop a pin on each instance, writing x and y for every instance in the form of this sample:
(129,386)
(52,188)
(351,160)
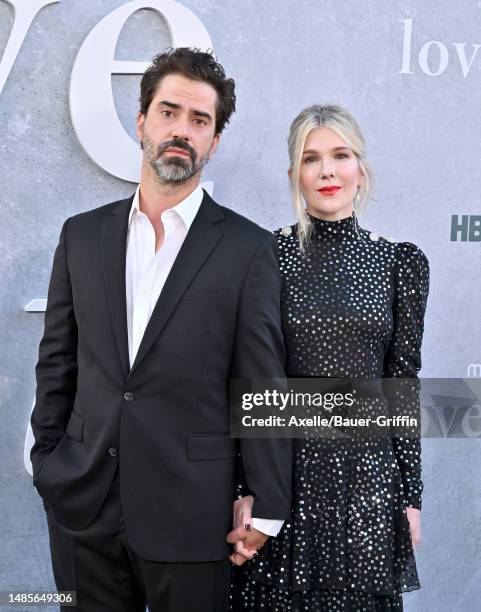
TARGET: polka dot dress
(353,306)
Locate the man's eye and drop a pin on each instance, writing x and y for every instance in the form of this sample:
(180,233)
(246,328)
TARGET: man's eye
(166,113)
(200,121)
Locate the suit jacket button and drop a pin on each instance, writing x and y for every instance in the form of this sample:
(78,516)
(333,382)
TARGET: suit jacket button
(128,396)
(113,452)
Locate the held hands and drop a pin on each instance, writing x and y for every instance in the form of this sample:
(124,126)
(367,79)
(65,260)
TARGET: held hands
(414,518)
(247,540)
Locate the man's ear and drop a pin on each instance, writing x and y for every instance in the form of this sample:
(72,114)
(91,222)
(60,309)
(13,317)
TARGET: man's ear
(140,126)
(213,148)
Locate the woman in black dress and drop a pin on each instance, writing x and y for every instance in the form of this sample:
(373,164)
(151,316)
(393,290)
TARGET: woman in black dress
(353,305)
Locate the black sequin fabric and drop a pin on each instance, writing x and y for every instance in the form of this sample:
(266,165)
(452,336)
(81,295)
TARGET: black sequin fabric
(353,306)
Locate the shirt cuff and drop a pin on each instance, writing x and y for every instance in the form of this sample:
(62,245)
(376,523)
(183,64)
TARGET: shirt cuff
(270,527)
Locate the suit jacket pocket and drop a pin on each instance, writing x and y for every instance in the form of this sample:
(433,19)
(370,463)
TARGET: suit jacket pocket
(75,427)
(206,447)
(74,430)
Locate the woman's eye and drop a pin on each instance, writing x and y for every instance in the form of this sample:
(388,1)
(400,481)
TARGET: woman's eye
(309,160)
(342,156)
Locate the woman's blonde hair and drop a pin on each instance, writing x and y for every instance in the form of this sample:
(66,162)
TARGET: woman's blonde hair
(345,126)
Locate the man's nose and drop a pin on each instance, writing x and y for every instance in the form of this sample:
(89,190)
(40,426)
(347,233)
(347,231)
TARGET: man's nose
(181,129)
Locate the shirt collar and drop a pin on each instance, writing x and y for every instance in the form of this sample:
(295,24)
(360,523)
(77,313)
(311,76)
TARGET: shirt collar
(186,209)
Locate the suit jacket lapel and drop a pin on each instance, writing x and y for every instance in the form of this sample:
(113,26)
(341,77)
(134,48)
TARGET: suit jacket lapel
(113,250)
(200,241)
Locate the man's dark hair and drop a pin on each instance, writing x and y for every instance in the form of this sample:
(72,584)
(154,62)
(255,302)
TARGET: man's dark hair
(196,65)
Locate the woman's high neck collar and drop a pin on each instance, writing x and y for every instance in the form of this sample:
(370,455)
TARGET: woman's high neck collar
(342,229)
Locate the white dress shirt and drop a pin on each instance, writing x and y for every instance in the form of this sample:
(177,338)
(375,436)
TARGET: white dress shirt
(146,272)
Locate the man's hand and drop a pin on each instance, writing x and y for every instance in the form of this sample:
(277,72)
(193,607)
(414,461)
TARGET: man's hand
(414,518)
(247,540)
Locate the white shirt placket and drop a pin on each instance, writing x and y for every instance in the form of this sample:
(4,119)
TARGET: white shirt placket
(153,268)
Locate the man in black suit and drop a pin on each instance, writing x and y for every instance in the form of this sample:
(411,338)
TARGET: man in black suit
(154,304)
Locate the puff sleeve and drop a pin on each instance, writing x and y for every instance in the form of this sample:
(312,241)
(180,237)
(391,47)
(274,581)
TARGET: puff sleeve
(403,360)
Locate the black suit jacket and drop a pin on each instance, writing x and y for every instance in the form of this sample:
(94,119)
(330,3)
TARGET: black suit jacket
(165,421)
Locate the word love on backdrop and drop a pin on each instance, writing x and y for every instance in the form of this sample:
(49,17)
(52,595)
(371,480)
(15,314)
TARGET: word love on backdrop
(435,56)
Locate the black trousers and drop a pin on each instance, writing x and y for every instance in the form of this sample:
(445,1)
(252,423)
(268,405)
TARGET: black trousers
(108,576)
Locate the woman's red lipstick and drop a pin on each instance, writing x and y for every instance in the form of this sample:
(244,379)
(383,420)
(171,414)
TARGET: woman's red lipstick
(331,190)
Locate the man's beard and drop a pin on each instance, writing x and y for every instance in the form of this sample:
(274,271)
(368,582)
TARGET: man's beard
(173,169)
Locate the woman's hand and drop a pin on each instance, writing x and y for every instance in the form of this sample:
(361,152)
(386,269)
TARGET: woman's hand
(245,538)
(414,518)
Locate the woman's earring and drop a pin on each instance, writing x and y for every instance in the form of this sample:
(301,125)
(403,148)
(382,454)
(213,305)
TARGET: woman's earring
(357,198)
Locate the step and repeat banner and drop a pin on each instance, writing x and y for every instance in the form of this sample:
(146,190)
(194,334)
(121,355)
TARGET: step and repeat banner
(410,72)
